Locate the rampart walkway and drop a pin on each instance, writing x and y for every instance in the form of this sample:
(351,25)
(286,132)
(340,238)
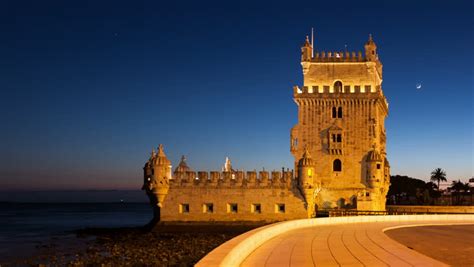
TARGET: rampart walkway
(343,241)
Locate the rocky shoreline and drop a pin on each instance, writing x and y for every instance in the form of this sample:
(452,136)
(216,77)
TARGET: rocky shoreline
(165,245)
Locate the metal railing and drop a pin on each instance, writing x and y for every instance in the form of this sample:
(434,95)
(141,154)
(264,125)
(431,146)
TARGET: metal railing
(351,212)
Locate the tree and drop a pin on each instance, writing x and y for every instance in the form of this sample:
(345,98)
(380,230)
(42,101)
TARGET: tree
(403,186)
(458,189)
(432,192)
(431,186)
(438,175)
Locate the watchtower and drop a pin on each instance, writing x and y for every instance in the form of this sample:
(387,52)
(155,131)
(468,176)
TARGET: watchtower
(341,122)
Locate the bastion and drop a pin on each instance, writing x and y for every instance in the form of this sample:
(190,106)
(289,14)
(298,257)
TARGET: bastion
(338,144)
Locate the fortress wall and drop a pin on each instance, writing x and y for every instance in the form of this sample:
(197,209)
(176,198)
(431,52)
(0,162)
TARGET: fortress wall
(222,198)
(235,179)
(356,139)
(335,197)
(361,127)
(189,200)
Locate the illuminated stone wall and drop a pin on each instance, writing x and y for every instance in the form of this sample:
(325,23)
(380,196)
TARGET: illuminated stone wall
(191,194)
(341,116)
(338,145)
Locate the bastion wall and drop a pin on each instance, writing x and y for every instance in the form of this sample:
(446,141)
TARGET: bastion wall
(233,196)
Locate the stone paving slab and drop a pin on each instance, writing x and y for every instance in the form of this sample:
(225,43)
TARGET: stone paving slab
(338,241)
(452,244)
(363,244)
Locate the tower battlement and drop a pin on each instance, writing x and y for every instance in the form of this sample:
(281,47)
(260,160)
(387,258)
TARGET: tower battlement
(318,90)
(329,95)
(337,56)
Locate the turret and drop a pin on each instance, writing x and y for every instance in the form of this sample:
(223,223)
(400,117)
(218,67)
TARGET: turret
(306,50)
(306,182)
(306,171)
(371,50)
(157,173)
(374,169)
(182,166)
(306,55)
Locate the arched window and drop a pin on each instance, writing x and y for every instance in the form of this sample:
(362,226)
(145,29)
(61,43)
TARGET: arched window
(339,112)
(337,165)
(334,112)
(338,87)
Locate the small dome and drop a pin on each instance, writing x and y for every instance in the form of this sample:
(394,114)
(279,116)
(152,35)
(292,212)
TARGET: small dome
(374,155)
(182,166)
(160,158)
(306,160)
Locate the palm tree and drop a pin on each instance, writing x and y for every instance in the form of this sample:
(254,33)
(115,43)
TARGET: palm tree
(438,175)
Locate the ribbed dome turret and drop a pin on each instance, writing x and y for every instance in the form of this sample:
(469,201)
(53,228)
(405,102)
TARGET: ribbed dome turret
(374,155)
(160,158)
(182,166)
(306,160)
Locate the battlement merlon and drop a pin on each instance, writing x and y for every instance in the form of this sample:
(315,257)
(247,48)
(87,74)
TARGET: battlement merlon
(336,56)
(309,55)
(341,64)
(233,179)
(312,94)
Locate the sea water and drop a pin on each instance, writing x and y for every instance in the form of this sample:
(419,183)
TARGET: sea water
(25,225)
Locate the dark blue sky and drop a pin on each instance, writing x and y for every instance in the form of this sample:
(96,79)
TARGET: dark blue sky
(89,87)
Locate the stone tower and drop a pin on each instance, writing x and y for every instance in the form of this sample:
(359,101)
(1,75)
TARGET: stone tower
(156,178)
(308,182)
(341,115)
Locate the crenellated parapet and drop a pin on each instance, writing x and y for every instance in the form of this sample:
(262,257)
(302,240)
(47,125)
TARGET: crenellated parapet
(313,95)
(308,55)
(337,56)
(235,179)
(327,90)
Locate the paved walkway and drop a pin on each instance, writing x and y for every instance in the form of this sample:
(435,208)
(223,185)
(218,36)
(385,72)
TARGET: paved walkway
(452,244)
(361,244)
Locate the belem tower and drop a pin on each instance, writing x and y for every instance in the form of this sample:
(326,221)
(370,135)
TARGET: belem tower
(338,144)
